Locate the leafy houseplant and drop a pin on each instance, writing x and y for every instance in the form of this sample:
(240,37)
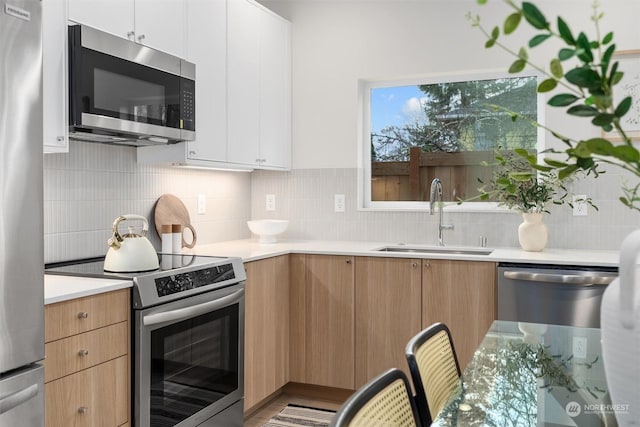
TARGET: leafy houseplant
(585,90)
(517,186)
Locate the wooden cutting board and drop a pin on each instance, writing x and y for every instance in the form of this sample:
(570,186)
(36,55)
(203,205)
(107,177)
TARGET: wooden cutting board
(169,210)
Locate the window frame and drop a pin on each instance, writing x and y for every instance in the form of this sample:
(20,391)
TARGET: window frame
(364,138)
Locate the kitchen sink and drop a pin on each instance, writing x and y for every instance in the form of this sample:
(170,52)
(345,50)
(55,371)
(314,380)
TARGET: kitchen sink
(436,250)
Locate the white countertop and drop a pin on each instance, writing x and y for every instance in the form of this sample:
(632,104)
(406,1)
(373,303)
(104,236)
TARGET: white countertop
(251,250)
(60,288)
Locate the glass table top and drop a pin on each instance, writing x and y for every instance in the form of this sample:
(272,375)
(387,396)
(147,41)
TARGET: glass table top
(525,374)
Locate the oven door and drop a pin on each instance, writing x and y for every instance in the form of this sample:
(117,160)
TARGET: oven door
(189,359)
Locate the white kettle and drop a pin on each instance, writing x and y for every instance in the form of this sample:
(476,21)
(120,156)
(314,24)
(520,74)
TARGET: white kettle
(620,325)
(130,253)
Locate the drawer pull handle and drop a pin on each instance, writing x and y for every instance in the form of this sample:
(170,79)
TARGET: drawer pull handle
(83,315)
(83,409)
(83,353)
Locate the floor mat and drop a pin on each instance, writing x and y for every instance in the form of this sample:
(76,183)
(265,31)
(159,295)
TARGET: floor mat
(296,415)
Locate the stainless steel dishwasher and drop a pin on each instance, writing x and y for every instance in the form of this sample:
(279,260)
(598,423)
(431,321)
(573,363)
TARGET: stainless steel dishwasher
(552,294)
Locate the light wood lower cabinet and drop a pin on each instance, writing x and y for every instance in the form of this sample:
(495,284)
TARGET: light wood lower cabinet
(91,397)
(266,328)
(338,321)
(388,314)
(87,380)
(461,294)
(322,320)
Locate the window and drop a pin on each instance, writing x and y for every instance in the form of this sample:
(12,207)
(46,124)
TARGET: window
(447,128)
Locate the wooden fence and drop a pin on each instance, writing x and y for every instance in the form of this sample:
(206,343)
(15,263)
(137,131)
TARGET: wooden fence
(411,181)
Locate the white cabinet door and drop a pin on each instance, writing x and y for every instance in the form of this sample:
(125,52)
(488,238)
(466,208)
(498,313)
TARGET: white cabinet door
(161,24)
(207,48)
(275,91)
(54,76)
(259,86)
(113,16)
(243,72)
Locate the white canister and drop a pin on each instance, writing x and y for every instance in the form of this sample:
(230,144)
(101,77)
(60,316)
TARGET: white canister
(166,237)
(176,238)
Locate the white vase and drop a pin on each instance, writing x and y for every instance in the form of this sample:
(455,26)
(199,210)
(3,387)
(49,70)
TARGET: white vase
(532,233)
(620,328)
(533,332)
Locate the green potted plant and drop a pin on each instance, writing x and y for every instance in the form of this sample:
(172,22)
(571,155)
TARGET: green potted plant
(516,185)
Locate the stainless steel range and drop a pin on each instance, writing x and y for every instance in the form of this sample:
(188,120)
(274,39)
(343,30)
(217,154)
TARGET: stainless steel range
(188,339)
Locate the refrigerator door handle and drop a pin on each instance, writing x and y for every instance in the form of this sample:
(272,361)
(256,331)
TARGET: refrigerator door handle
(18,398)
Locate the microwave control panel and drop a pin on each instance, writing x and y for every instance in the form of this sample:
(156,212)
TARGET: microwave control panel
(187,105)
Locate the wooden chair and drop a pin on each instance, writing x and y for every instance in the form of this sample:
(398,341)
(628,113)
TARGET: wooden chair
(434,370)
(384,401)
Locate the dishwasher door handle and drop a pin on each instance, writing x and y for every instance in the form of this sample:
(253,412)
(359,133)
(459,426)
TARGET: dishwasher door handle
(567,279)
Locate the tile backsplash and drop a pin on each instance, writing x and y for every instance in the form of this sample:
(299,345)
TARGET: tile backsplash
(306,198)
(86,189)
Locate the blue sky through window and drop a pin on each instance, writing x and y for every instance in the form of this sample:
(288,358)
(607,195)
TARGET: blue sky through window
(394,106)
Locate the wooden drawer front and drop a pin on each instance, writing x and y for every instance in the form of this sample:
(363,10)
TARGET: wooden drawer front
(75,316)
(94,397)
(69,355)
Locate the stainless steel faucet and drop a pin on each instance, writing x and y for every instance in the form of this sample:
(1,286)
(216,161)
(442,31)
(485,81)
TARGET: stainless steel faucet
(436,192)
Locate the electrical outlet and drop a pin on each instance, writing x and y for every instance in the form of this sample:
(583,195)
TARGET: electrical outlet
(580,347)
(338,204)
(271,202)
(202,204)
(580,205)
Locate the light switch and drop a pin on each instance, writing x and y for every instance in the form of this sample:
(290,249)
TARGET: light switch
(338,200)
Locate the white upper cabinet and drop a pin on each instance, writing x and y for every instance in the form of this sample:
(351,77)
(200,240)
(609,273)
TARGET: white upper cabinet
(207,48)
(275,92)
(259,86)
(54,77)
(160,24)
(242,53)
(243,82)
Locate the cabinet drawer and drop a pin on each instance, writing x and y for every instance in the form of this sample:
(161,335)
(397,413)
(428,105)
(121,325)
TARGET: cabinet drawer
(75,316)
(94,397)
(72,354)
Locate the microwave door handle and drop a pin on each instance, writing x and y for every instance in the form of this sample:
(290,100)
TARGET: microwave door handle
(566,279)
(18,398)
(188,312)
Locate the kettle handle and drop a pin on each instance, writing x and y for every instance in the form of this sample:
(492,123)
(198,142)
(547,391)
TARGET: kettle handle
(628,259)
(115,240)
(145,223)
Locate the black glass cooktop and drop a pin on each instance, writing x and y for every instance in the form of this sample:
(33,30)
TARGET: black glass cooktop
(94,267)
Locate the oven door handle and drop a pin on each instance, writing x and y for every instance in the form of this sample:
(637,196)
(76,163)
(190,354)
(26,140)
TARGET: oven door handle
(566,279)
(188,312)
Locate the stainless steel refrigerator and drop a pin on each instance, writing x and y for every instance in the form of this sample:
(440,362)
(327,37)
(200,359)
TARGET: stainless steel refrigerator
(21,215)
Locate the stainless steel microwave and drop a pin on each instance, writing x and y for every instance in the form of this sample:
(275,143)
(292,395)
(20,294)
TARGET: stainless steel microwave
(126,93)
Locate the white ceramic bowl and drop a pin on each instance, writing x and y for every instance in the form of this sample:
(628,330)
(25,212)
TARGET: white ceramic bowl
(267,229)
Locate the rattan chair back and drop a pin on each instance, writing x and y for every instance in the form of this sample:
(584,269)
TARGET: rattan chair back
(385,401)
(434,368)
